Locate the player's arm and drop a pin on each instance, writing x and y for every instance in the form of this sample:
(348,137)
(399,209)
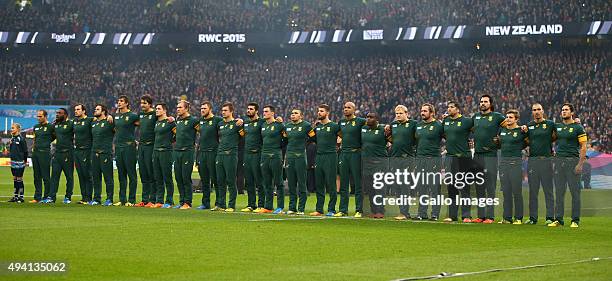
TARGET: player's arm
(312,135)
(582,140)
(24,148)
(53,136)
(241,131)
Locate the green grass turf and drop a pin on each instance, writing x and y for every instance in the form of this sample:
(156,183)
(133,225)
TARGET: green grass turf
(120,243)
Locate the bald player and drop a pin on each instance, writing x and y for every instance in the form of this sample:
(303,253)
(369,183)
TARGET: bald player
(350,159)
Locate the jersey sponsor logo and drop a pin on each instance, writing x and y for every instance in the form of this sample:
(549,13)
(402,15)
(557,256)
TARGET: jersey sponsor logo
(116,117)
(531,128)
(394,126)
(559,129)
(503,134)
(446,123)
(318,129)
(141,116)
(477,117)
(288,129)
(418,128)
(363,130)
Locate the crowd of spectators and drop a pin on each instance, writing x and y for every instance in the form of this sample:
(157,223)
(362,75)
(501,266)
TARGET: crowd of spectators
(375,82)
(283,15)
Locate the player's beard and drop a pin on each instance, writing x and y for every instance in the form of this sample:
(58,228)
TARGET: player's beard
(321,117)
(484,108)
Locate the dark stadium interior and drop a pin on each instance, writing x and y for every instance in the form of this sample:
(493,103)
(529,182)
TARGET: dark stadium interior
(282,15)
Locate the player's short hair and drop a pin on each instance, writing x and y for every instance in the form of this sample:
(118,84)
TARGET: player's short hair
(103,107)
(229,106)
(147,99)
(456,104)
(64,110)
(401,107)
(324,106)
(125,99)
(185,103)
(297,109)
(430,106)
(81,105)
(17,125)
(253,104)
(163,105)
(44,112)
(514,112)
(270,107)
(571,106)
(209,104)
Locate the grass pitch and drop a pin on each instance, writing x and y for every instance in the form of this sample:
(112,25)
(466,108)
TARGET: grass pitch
(121,243)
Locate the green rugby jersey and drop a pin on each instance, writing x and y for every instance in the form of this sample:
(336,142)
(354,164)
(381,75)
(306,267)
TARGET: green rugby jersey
(186,130)
(102,133)
(272,135)
(252,139)
(164,135)
(569,137)
(429,136)
(457,133)
(486,127)
(64,134)
(403,138)
(229,137)
(512,142)
(82,132)
(209,133)
(541,138)
(125,125)
(44,134)
(297,136)
(326,137)
(147,127)
(373,141)
(351,133)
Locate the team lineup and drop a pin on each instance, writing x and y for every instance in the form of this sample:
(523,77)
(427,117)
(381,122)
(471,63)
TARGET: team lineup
(169,146)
